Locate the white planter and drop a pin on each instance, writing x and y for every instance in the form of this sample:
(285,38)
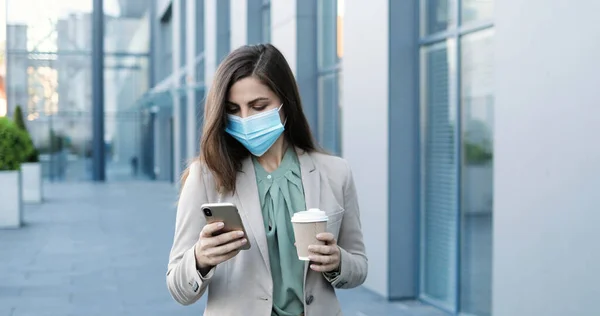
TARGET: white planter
(11,209)
(31,176)
(479,189)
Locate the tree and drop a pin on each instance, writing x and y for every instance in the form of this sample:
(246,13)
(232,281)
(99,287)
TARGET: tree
(33,155)
(18,118)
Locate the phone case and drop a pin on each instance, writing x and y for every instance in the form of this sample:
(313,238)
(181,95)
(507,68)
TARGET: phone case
(229,215)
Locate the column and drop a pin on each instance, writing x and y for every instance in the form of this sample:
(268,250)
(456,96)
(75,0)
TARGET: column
(210,41)
(177,150)
(98,155)
(191,114)
(365,126)
(403,152)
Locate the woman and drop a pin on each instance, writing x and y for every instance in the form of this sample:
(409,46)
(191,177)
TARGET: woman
(258,153)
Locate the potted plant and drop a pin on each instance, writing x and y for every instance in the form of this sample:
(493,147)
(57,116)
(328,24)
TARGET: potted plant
(31,169)
(13,150)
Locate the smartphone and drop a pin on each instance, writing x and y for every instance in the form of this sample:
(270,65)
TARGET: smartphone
(229,215)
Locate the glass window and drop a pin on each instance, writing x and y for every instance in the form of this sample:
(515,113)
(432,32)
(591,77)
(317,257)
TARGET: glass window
(223,29)
(166,47)
(437,15)
(50,67)
(183,33)
(327,34)
(440,170)
(477,10)
(329,120)
(477,172)
(330,18)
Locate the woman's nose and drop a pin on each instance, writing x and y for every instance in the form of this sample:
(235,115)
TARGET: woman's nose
(244,113)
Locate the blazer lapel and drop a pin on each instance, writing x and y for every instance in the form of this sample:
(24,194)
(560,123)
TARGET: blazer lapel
(311,181)
(249,204)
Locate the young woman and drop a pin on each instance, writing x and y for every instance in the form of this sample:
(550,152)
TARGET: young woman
(258,153)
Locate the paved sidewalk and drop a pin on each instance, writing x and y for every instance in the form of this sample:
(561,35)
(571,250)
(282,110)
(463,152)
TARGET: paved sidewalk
(102,249)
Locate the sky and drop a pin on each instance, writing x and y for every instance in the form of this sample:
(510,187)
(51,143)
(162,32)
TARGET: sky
(19,11)
(40,20)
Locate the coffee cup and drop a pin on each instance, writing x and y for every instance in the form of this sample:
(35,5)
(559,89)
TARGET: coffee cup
(307,225)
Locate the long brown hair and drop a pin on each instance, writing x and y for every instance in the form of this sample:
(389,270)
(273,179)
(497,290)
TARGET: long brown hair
(221,153)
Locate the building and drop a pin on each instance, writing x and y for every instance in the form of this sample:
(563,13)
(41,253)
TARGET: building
(470,127)
(444,110)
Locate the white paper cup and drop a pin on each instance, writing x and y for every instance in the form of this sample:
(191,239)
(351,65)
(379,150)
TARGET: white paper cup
(307,225)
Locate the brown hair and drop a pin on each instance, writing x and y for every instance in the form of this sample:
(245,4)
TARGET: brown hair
(221,153)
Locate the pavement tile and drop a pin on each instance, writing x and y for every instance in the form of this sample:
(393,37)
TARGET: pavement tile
(89,253)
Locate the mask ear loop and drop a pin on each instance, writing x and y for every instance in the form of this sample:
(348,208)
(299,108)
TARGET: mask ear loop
(278,109)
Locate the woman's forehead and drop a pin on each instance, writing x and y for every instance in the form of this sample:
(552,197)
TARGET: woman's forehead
(248,89)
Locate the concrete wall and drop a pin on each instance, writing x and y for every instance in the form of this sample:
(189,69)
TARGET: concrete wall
(365,126)
(546,158)
(239,23)
(283,29)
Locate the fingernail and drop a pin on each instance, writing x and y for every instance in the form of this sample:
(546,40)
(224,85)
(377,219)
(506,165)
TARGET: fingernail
(220,225)
(240,234)
(244,241)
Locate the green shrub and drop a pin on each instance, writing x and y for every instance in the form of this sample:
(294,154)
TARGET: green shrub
(477,154)
(14,145)
(20,123)
(18,118)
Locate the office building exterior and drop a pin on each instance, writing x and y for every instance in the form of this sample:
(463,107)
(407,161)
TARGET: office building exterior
(469,125)
(428,103)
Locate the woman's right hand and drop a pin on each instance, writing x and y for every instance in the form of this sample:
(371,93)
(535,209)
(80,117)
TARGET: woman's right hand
(211,250)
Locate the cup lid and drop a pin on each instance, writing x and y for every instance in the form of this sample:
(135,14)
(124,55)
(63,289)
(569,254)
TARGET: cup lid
(312,215)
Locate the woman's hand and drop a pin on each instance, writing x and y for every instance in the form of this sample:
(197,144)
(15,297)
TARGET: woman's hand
(211,250)
(325,258)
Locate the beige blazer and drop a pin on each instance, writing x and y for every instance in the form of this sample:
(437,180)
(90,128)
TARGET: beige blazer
(243,284)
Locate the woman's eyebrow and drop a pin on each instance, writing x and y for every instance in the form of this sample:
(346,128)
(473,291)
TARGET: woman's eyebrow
(251,103)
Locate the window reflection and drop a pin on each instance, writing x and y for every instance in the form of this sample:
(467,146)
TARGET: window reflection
(477,172)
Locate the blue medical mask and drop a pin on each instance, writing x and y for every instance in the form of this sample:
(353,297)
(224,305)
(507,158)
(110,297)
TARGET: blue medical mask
(257,132)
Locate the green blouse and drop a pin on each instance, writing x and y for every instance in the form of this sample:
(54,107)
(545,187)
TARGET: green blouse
(281,195)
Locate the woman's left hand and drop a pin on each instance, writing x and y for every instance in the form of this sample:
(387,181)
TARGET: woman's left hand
(325,258)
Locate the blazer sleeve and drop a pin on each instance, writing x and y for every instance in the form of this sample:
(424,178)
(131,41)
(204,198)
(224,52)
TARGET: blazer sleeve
(354,263)
(184,282)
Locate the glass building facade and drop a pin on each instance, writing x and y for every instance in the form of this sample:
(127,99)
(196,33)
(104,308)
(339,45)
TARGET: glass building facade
(159,58)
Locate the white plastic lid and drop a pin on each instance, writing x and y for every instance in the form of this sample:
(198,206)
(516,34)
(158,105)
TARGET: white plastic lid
(312,215)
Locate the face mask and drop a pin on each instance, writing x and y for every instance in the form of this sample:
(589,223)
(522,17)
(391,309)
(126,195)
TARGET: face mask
(257,132)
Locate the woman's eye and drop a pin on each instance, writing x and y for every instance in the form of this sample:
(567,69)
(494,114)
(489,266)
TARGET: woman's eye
(231,110)
(260,107)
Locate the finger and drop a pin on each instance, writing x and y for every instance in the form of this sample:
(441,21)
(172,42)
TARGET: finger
(227,248)
(326,237)
(322,249)
(322,260)
(224,257)
(211,228)
(323,268)
(223,239)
